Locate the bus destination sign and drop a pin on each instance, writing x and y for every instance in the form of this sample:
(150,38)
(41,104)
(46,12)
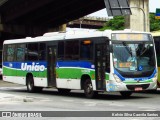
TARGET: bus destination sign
(130,37)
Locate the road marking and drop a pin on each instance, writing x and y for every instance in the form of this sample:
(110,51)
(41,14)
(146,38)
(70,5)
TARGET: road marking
(46,100)
(147,108)
(67,100)
(11,88)
(150,110)
(116,104)
(90,103)
(6,95)
(137,119)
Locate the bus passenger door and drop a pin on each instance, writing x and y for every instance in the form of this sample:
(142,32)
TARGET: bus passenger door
(100,66)
(51,67)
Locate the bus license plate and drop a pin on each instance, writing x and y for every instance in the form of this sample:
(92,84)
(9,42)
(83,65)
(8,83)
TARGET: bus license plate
(138,89)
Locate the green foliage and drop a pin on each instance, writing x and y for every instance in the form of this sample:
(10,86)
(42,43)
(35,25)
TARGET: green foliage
(117,23)
(154,23)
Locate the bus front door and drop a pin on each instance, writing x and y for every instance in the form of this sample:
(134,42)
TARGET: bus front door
(100,65)
(51,68)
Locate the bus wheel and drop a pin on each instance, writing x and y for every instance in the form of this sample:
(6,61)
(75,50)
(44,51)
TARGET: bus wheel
(126,94)
(30,84)
(64,91)
(88,89)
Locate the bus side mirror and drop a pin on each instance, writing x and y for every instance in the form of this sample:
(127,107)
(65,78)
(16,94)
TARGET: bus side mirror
(111,48)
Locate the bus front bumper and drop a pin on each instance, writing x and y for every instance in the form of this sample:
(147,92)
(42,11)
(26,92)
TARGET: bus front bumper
(114,86)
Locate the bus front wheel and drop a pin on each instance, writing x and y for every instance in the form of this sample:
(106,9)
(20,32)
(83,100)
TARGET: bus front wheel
(88,89)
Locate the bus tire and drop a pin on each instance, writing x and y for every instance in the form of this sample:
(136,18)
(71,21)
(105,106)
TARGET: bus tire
(30,84)
(64,91)
(126,94)
(88,89)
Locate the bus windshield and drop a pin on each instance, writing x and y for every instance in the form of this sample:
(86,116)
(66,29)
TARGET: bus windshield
(137,58)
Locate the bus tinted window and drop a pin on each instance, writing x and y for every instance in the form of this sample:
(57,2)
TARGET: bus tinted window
(60,50)
(0,60)
(21,52)
(42,51)
(72,50)
(157,43)
(86,50)
(11,53)
(4,53)
(32,51)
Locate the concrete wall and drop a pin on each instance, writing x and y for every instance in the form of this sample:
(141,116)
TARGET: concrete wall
(136,20)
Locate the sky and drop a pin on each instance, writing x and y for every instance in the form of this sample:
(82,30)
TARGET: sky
(153,4)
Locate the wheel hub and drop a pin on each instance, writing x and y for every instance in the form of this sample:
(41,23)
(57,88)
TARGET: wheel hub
(89,88)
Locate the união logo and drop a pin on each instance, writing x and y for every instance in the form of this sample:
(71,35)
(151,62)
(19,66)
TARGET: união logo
(32,67)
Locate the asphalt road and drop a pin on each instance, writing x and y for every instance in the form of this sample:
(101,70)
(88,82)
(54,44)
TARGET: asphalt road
(15,97)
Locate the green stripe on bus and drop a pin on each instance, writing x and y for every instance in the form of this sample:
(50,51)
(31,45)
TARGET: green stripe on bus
(15,72)
(64,73)
(76,73)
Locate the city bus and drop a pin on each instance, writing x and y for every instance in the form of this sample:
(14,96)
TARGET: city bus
(89,60)
(156,36)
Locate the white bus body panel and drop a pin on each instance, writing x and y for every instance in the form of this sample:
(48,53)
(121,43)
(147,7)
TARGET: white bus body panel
(39,82)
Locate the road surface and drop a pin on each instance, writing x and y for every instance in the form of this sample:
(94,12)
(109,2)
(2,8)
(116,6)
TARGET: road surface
(15,97)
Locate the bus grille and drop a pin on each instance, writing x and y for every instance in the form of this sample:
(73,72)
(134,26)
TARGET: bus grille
(132,87)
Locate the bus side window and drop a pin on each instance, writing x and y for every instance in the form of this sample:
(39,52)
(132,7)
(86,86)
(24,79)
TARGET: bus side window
(61,50)
(11,53)
(86,51)
(0,59)
(72,50)
(107,58)
(21,52)
(5,52)
(32,52)
(42,51)
(157,42)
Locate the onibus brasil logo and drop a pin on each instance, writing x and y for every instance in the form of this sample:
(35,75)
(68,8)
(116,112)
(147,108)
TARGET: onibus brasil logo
(32,67)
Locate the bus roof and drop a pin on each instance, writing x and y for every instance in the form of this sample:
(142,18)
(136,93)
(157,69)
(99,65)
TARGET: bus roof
(71,34)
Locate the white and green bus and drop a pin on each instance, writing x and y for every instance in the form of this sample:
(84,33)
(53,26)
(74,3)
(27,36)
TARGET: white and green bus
(89,60)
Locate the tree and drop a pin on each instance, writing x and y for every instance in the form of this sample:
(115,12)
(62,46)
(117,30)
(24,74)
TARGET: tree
(117,23)
(154,23)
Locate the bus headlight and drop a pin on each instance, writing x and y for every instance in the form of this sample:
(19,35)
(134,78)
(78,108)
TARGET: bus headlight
(155,78)
(117,78)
